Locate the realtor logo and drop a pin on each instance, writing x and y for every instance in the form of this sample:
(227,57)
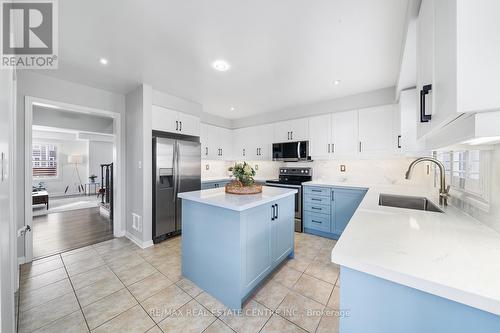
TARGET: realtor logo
(29,34)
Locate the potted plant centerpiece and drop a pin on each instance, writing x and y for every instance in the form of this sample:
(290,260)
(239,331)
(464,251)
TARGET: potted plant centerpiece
(93,178)
(243,182)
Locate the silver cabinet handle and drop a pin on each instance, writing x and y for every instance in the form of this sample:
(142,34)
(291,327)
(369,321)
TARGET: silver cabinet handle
(333,148)
(328,148)
(360,146)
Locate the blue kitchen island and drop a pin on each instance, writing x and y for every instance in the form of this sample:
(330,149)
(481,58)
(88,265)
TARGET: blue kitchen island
(230,243)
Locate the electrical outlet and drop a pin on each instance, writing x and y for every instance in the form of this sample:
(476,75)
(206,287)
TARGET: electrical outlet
(256,167)
(342,168)
(207,166)
(136,222)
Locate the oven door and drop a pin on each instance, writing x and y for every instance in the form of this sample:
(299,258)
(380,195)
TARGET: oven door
(298,203)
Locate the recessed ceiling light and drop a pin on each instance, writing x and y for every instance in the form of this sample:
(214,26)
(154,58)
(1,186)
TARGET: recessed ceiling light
(103,61)
(221,65)
(232,108)
(336,82)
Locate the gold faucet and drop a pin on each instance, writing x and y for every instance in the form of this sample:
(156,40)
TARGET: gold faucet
(444,191)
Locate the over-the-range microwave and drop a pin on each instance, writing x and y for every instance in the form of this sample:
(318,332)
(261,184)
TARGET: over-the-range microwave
(291,151)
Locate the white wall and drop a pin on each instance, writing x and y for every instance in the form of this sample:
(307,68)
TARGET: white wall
(139,162)
(368,99)
(66,172)
(42,86)
(99,153)
(72,121)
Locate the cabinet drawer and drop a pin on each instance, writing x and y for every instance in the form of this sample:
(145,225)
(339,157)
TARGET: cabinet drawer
(315,208)
(317,200)
(315,221)
(321,191)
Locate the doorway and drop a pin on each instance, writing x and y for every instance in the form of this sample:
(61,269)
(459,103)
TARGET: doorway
(72,172)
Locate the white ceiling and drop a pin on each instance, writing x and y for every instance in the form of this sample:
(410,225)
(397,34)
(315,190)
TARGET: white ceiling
(282,52)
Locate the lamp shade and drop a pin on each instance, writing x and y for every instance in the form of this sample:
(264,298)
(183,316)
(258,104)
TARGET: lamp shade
(75,159)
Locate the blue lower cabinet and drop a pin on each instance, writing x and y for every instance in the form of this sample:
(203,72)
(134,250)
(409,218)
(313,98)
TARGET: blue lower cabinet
(229,253)
(346,203)
(209,185)
(327,210)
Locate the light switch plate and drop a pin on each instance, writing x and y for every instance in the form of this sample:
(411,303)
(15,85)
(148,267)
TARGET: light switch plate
(342,168)
(256,167)
(207,166)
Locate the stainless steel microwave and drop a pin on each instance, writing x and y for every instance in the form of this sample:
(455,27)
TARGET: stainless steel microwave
(291,151)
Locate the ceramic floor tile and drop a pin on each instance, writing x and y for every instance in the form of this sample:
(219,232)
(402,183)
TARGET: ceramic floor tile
(286,276)
(301,310)
(190,287)
(154,329)
(334,301)
(30,299)
(131,274)
(44,314)
(123,263)
(325,272)
(298,263)
(84,265)
(218,326)
(79,256)
(43,280)
(329,322)
(108,307)
(173,272)
(98,290)
(73,323)
(30,270)
(92,276)
(278,324)
(149,286)
(251,319)
(80,249)
(271,294)
(191,318)
(211,303)
(314,288)
(162,304)
(134,320)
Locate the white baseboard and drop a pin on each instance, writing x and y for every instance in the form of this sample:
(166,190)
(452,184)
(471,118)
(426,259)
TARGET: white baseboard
(21,260)
(138,242)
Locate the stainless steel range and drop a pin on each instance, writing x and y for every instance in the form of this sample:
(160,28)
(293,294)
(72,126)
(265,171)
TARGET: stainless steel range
(293,178)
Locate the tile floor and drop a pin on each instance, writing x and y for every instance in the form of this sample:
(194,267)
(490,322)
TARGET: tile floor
(115,286)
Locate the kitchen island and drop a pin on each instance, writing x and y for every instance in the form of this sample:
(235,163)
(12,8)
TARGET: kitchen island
(405,270)
(230,243)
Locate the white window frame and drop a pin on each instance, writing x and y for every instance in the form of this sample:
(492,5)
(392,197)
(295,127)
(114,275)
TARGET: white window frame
(58,162)
(479,199)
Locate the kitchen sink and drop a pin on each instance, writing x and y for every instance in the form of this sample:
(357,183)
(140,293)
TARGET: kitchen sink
(408,202)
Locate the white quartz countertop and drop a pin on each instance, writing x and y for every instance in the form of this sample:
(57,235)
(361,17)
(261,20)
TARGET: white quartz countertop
(218,197)
(448,254)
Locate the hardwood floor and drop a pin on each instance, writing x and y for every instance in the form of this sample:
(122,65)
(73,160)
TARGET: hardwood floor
(58,232)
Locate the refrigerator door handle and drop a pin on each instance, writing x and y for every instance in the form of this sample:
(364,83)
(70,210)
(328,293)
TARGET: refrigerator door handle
(175,173)
(177,167)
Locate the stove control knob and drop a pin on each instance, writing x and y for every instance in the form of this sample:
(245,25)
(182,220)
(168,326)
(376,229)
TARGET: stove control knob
(301,171)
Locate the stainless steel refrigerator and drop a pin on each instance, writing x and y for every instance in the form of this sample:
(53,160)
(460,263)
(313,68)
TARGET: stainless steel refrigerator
(176,169)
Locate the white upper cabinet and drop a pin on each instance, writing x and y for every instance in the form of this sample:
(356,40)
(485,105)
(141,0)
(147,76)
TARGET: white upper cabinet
(241,144)
(216,142)
(189,124)
(407,119)
(164,119)
(253,143)
(458,50)
(376,130)
(345,134)
(291,130)
(320,137)
(167,120)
